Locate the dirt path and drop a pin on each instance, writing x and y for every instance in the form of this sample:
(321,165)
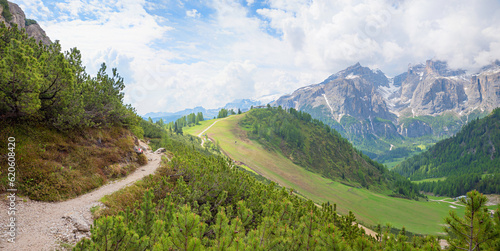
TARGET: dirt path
(43,225)
(449,202)
(206,129)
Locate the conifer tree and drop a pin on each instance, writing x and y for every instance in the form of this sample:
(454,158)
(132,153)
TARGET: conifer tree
(475,230)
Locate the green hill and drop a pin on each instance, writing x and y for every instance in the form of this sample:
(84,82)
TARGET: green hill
(311,144)
(316,147)
(469,160)
(199,201)
(475,149)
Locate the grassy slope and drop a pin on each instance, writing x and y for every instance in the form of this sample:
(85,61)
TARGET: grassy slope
(195,130)
(370,208)
(54,166)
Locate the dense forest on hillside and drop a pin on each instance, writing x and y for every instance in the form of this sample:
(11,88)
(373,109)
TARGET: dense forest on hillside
(475,149)
(199,201)
(315,146)
(454,186)
(71,130)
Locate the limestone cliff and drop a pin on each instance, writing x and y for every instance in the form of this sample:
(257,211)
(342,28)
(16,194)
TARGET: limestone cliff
(14,15)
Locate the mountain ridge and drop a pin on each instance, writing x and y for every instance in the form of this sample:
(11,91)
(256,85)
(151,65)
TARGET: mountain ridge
(242,104)
(377,112)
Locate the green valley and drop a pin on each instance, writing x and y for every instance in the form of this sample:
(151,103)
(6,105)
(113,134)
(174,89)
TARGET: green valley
(370,207)
(469,160)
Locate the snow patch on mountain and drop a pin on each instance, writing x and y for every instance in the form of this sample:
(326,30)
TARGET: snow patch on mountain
(328,103)
(351,76)
(387,91)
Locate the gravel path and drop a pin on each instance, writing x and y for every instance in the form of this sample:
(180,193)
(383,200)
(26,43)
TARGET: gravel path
(44,225)
(206,129)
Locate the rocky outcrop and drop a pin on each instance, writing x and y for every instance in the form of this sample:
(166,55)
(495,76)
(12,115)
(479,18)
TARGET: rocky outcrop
(483,90)
(415,129)
(36,32)
(19,18)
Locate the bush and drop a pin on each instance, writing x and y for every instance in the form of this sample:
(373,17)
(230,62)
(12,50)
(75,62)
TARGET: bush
(6,11)
(28,22)
(142,159)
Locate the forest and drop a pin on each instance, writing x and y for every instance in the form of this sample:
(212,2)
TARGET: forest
(473,150)
(458,185)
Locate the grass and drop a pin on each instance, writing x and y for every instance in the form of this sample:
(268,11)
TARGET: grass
(197,129)
(370,208)
(429,180)
(53,165)
(392,164)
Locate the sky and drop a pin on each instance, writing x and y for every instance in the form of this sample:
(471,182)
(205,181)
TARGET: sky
(177,54)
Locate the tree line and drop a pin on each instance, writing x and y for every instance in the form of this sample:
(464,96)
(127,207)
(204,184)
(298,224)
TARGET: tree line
(458,185)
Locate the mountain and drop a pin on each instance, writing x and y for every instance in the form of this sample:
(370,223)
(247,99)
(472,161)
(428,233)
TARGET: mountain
(381,114)
(12,14)
(242,104)
(474,149)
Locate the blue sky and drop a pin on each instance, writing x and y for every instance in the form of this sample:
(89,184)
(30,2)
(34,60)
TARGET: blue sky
(181,54)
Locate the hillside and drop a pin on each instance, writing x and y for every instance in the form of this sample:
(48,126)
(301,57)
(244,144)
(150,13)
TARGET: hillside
(312,145)
(201,202)
(370,207)
(472,150)
(68,132)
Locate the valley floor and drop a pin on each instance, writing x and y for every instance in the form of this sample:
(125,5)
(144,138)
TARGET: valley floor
(45,225)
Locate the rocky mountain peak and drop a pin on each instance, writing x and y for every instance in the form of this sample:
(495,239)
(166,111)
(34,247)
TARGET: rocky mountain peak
(12,14)
(376,77)
(440,68)
(494,66)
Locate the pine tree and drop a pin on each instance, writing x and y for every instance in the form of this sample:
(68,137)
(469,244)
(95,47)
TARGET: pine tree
(476,230)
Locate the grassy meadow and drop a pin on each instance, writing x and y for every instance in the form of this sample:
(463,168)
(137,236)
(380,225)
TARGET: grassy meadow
(429,180)
(370,208)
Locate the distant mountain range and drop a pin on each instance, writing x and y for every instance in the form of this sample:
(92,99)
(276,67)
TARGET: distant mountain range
(377,113)
(242,104)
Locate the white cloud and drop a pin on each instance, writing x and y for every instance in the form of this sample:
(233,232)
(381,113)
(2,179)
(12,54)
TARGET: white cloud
(36,7)
(193,13)
(212,58)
